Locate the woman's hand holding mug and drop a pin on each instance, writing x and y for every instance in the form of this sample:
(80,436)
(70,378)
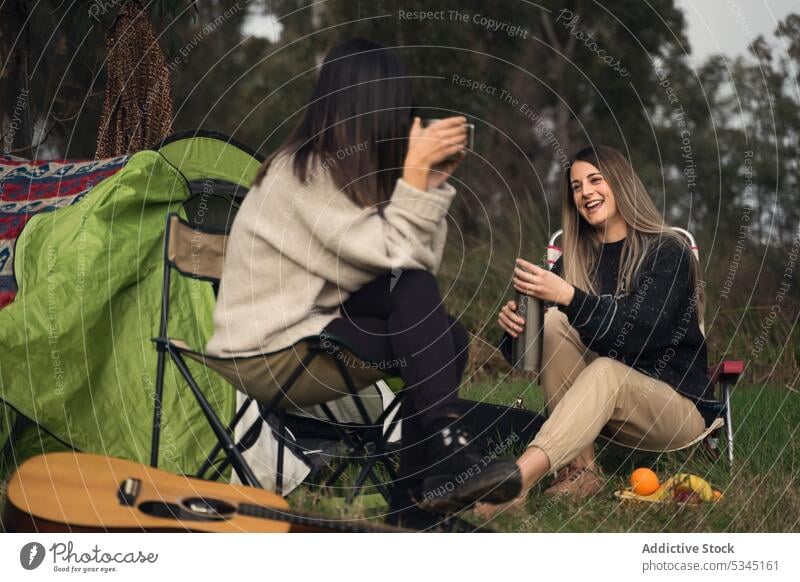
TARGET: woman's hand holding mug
(542,283)
(434,152)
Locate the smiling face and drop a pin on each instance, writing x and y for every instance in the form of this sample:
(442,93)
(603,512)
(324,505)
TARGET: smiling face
(595,201)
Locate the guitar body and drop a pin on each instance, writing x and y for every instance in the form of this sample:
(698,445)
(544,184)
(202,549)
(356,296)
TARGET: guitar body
(77,492)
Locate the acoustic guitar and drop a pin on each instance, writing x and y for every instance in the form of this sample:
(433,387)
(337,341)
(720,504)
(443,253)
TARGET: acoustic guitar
(78,492)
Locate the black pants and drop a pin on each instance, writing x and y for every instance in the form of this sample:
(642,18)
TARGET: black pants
(400,323)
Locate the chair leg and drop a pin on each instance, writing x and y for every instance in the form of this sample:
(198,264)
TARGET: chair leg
(245,443)
(388,412)
(367,464)
(389,430)
(726,395)
(248,439)
(231,427)
(281,450)
(356,450)
(156,434)
(343,463)
(243,470)
(380,448)
(368,468)
(368,471)
(351,388)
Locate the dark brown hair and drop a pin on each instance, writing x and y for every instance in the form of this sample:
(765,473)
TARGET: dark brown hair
(356,123)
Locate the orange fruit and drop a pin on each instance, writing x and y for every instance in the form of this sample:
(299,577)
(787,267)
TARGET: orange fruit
(644,482)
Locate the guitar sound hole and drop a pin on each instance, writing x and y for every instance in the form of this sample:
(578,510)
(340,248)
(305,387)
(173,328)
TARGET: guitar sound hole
(196,509)
(212,508)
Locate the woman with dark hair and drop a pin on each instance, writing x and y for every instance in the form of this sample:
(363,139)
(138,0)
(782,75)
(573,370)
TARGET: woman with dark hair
(623,346)
(341,235)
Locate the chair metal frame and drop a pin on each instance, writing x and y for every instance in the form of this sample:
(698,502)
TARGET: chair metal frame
(725,373)
(373,434)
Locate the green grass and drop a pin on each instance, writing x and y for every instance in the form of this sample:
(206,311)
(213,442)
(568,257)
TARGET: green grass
(761,493)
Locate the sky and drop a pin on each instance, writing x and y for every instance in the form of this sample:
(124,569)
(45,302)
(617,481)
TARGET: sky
(262,26)
(729,26)
(715,26)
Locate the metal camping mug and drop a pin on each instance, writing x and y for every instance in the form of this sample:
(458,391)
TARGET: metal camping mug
(526,349)
(470,135)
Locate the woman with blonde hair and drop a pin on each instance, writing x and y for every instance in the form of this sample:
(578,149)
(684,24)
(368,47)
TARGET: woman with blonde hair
(623,348)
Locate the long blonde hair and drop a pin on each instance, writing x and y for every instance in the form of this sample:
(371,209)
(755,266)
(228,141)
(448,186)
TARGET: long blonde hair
(646,228)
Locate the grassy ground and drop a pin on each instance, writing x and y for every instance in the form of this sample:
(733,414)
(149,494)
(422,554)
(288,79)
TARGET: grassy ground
(761,493)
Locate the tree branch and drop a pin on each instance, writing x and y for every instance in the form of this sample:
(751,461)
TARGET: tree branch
(32,146)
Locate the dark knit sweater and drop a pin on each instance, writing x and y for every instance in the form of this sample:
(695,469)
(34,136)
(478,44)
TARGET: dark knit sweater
(654,328)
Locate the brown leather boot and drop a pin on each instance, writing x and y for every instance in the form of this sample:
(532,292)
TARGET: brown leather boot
(576,482)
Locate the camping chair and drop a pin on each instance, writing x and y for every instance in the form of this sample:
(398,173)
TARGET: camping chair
(301,375)
(725,373)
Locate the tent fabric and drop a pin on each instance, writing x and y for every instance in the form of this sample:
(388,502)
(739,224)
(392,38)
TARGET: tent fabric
(192,151)
(29,188)
(77,356)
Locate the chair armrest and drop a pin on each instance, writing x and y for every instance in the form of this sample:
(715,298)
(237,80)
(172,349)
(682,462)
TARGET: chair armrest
(727,370)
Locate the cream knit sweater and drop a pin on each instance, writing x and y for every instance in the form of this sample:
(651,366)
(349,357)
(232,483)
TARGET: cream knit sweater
(296,252)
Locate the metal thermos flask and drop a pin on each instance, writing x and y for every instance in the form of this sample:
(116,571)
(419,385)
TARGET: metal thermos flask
(527,347)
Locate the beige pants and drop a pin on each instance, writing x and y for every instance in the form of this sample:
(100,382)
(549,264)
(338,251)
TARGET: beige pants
(585,393)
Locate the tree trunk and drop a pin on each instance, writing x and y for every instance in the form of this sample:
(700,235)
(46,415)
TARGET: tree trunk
(18,136)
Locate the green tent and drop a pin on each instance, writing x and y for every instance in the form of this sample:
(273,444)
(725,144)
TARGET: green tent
(77,358)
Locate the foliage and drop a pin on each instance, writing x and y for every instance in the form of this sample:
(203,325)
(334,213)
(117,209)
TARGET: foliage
(716,145)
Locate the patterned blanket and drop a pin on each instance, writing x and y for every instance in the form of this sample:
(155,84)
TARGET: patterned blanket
(30,187)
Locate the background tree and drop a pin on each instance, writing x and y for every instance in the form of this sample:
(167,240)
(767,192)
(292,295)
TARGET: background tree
(717,145)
